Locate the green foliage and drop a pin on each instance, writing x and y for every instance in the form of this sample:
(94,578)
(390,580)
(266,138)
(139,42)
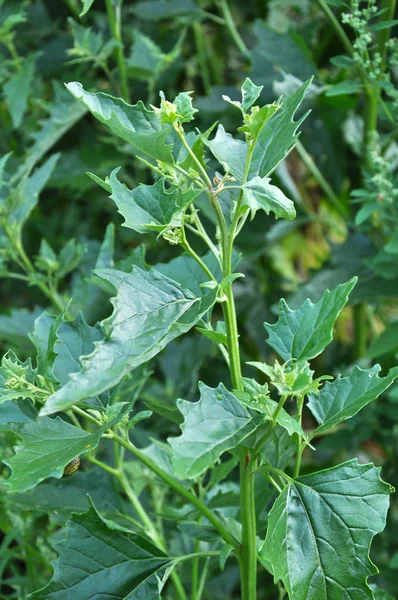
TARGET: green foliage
(273,181)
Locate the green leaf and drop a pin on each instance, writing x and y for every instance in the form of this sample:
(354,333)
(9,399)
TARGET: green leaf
(184,106)
(87,4)
(151,207)
(342,61)
(23,198)
(302,334)
(150,310)
(14,327)
(250,93)
(386,343)
(344,397)
(279,134)
(279,448)
(63,113)
(134,124)
(259,194)
(216,423)
(320,529)
(344,87)
(47,446)
(93,557)
(380,594)
(45,337)
(16,90)
(16,378)
(230,153)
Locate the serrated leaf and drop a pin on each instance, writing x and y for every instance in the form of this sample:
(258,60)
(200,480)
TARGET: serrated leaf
(47,446)
(344,397)
(184,106)
(320,529)
(94,557)
(259,193)
(279,448)
(216,423)
(250,93)
(278,135)
(151,207)
(16,90)
(304,333)
(133,123)
(150,311)
(230,153)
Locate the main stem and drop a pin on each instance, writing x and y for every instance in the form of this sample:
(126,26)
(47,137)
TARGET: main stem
(115,27)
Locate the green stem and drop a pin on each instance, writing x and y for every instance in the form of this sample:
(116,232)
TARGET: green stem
(230,25)
(384,34)
(300,445)
(195,573)
(323,184)
(114,19)
(203,578)
(201,50)
(248,554)
(337,27)
(178,487)
(185,244)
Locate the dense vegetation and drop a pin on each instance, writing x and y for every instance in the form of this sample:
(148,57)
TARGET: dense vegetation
(157,440)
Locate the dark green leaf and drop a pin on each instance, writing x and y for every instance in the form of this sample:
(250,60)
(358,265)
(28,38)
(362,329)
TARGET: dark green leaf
(94,557)
(47,446)
(320,529)
(16,90)
(342,398)
(151,207)
(345,87)
(302,334)
(386,343)
(216,423)
(134,124)
(150,311)
(278,135)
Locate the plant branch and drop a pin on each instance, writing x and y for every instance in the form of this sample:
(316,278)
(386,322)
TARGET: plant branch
(114,19)
(178,487)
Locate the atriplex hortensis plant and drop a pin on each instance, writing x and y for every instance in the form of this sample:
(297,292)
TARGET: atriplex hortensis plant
(321,525)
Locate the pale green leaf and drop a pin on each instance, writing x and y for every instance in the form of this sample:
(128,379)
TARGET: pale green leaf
(184,106)
(216,423)
(96,559)
(150,310)
(302,334)
(320,529)
(250,93)
(133,123)
(344,397)
(259,193)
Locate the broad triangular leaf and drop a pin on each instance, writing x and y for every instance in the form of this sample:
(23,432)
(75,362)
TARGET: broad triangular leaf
(229,152)
(216,423)
(278,135)
(345,396)
(150,311)
(320,529)
(259,193)
(47,446)
(135,124)
(97,561)
(302,334)
(151,207)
